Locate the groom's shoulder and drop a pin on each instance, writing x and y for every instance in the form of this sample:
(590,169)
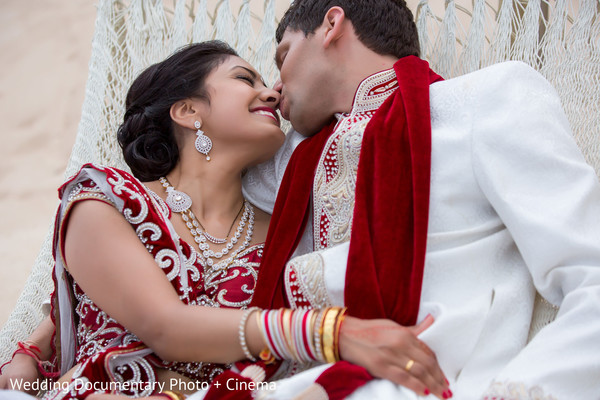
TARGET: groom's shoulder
(498,76)
(504,73)
(500,85)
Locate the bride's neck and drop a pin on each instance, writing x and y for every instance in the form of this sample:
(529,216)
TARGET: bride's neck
(215,190)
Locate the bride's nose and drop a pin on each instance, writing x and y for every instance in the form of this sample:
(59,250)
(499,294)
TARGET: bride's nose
(271,96)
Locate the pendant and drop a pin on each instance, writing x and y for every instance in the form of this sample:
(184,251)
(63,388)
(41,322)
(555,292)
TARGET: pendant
(178,201)
(203,144)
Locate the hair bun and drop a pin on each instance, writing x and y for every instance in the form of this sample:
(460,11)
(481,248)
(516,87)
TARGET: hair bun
(147,135)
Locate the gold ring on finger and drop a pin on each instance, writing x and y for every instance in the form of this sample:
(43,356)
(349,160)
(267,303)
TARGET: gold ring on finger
(409,365)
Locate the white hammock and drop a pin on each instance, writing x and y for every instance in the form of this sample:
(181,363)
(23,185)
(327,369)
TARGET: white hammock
(560,38)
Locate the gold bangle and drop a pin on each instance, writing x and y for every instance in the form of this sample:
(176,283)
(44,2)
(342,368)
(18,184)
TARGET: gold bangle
(173,395)
(336,338)
(328,334)
(287,334)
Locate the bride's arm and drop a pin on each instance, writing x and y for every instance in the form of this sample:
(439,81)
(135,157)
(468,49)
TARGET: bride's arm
(108,261)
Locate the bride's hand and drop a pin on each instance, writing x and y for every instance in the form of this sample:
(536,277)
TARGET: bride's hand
(20,372)
(390,351)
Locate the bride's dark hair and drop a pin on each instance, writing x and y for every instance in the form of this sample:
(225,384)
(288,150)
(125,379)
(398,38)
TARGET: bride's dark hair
(146,134)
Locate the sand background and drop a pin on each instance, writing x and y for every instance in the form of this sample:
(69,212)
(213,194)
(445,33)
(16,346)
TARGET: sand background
(45,47)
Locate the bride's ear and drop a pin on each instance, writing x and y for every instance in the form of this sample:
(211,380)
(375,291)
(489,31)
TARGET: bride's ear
(186,112)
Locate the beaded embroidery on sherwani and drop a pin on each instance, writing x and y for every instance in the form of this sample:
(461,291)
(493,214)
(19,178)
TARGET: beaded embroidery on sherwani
(304,282)
(334,190)
(149,215)
(335,179)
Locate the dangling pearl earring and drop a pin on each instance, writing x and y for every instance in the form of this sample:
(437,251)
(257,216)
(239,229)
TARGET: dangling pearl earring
(203,142)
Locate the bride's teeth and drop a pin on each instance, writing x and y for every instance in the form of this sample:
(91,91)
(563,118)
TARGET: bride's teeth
(261,112)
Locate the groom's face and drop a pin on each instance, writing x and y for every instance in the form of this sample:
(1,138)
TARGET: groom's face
(303,73)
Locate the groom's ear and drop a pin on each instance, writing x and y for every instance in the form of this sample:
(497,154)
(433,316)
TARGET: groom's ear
(334,23)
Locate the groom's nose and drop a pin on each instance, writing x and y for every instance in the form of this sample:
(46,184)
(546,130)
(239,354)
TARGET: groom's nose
(278,86)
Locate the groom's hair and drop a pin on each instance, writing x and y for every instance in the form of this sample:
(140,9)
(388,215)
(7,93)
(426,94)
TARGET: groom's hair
(384,26)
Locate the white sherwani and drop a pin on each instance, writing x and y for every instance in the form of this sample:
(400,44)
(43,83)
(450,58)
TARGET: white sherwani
(514,208)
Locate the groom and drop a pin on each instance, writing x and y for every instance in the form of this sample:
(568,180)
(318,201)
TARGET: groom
(416,196)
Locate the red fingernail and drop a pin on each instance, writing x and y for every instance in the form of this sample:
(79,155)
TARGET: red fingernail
(447,383)
(450,393)
(426,392)
(445,395)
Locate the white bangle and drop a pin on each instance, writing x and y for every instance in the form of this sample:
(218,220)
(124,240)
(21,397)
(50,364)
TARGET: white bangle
(242,332)
(318,336)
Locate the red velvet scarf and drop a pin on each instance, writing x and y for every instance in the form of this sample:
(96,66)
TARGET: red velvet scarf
(389,230)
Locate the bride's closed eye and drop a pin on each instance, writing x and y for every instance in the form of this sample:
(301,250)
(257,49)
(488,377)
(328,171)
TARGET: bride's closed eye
(246,78)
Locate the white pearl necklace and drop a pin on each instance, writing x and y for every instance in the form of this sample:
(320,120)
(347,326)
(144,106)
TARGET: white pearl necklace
(200,236)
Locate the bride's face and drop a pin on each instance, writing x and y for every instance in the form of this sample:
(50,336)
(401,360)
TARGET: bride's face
(242,112)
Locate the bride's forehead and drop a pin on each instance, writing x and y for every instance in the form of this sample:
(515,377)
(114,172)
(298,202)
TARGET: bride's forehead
(233,61)
(235,64)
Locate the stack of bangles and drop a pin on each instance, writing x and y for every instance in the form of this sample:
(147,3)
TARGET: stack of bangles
(34,352)
(298,335)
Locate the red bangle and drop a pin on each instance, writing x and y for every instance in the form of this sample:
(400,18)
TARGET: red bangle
(305,339)
(269,336)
